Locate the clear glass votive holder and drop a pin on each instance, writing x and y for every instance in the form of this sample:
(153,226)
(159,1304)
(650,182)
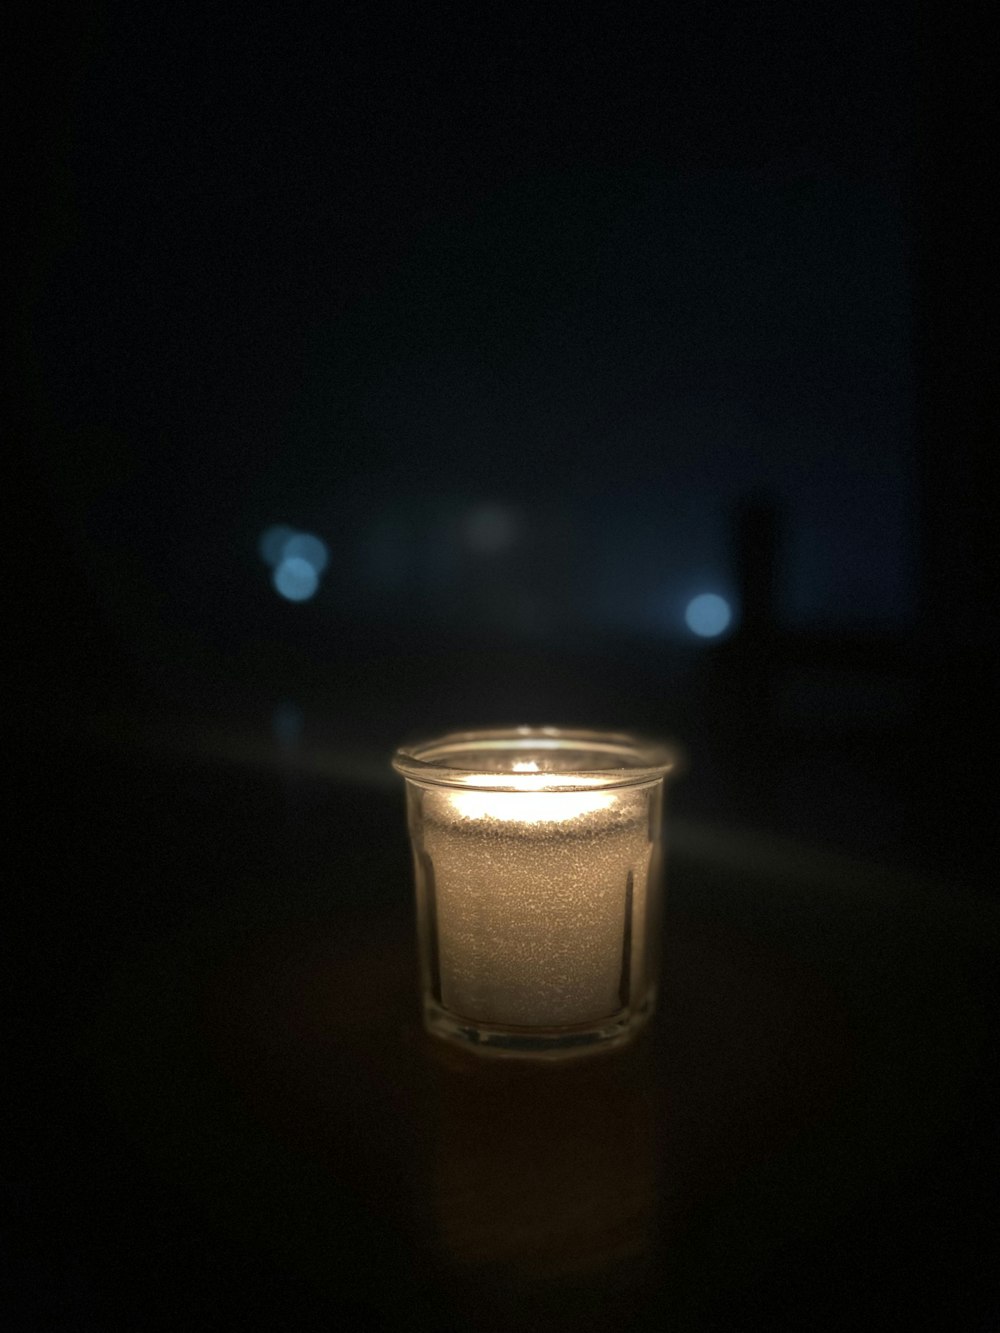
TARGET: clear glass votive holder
(538,855)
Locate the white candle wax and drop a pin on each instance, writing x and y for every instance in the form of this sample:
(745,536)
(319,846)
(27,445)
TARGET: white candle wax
(539,900)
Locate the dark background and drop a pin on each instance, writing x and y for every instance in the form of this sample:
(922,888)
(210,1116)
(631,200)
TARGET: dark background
(518,318)
(545,323)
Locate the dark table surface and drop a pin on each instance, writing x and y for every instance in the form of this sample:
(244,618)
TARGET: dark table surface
(231,1114)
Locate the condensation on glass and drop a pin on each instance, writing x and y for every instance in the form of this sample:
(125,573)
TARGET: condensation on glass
(538,862)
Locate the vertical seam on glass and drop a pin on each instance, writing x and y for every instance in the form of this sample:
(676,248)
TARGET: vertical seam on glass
(430,908)
(625,984)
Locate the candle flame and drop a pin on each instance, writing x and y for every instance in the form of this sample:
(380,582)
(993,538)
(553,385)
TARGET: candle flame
(529,807)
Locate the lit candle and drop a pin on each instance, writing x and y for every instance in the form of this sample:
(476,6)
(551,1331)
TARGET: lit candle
(537,866)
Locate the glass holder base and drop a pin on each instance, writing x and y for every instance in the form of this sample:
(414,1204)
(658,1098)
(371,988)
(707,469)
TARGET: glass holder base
(557,1043)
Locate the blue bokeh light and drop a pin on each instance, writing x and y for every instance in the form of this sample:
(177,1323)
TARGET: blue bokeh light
(296,579)
(308,547)
(272,543)
(708,615)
